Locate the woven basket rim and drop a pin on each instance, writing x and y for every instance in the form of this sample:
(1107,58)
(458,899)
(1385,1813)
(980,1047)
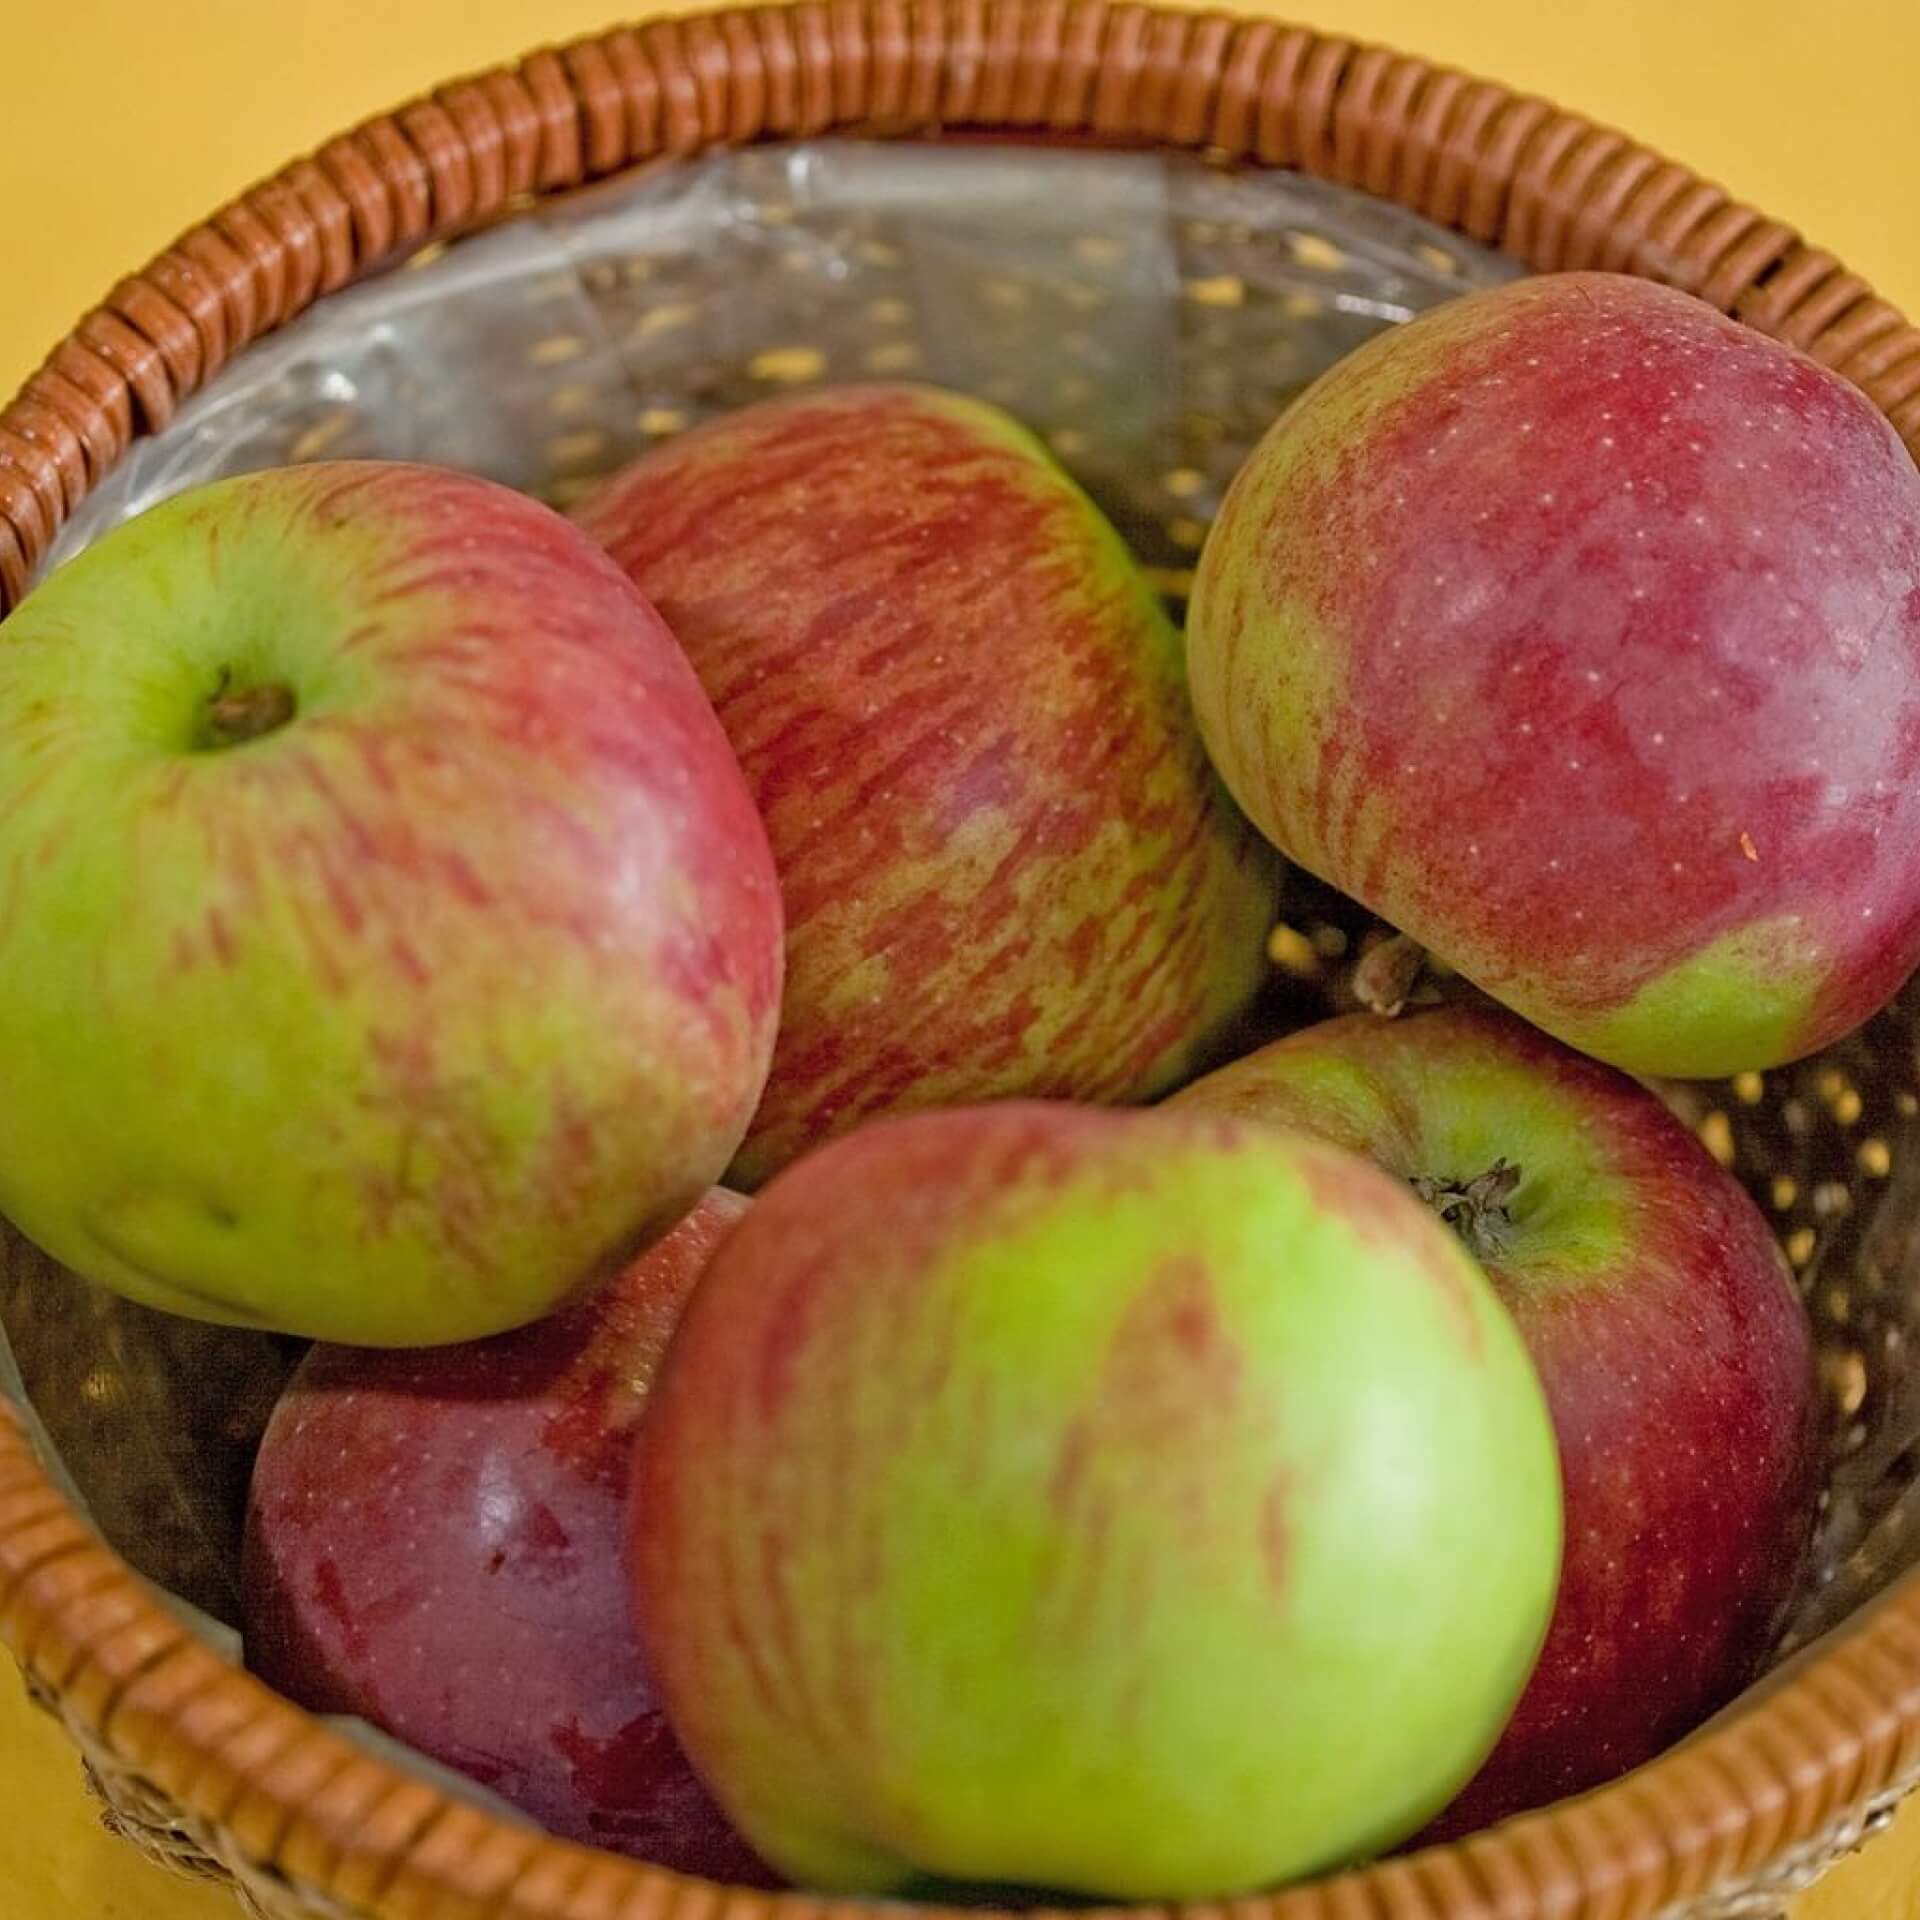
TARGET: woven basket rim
(310,1824)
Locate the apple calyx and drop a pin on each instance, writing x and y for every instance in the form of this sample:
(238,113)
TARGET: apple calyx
(236,715)
(1475,1209)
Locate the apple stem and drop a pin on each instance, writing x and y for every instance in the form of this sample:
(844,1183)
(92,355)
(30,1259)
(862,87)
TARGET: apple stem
(236,715)
(1475,1209)
(1387,973)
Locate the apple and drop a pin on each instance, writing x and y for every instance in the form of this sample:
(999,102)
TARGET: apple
(1144,1505)
(1674,1351)
(1008,869)
(1575,630)
(434,1544)
(388,942)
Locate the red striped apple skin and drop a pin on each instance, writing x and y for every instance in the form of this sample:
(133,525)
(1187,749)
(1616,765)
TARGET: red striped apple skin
(1007,867)
(1575,629)
(403,1019)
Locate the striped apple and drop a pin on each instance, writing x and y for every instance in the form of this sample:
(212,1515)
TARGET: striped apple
(1007,867)
(388,943)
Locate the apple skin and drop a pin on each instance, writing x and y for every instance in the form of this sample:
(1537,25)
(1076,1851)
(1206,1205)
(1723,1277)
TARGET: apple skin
(1575,629)
(434,1544)
(1008,868)
(1675,1354)
(1043,1496)
(403,1021)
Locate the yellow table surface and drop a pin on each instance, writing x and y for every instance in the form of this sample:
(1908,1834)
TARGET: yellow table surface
(122,121)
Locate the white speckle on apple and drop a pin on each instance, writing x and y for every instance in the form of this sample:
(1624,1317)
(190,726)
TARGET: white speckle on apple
(1553,866)
(1526,726)
(1546,499)
(1659,739)
(1526,426)
(1606,439)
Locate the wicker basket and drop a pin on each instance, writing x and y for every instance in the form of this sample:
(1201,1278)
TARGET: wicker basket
(206,1768)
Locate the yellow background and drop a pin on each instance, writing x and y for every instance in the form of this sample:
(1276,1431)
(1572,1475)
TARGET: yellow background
(122,121)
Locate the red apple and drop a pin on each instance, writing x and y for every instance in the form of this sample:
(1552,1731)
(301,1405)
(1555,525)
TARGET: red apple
(388,942)
(1675,1354)
(434,1544)
(1007,867)
(1575,630)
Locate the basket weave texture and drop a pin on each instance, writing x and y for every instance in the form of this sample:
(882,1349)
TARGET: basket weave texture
(202,1765)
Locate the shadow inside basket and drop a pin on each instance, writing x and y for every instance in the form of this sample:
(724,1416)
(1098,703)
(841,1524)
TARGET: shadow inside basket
(1148,316)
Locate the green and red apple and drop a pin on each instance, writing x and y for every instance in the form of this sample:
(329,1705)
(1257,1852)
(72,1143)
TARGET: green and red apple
(389,945)
(1673,1348)
(1575,629)
(1008,869)
(1145,1505)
